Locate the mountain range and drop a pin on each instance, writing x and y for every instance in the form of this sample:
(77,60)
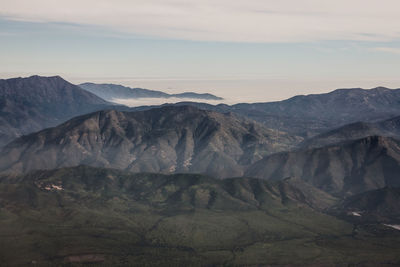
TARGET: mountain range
(110,92)
(217,140)
(184,139)
(166,140)
(310,181)
(309,115)
(305,116)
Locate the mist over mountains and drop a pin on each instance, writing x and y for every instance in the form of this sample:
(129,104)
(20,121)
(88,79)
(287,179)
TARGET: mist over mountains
(110,92)
(203,184)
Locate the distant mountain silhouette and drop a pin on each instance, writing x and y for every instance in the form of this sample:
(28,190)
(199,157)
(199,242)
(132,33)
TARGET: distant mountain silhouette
(113,91)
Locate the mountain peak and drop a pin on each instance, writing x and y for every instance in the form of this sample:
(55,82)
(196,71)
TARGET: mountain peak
(168,139)
(58,77)
(381,88)
(36,102)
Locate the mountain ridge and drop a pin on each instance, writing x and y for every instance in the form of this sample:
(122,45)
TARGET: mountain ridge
(168,139)
(110,92)
(347,168)
(33,103)
(388,128)
(310,115)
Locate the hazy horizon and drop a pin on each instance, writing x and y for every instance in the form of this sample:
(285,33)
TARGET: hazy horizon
(249,51)
(233,90)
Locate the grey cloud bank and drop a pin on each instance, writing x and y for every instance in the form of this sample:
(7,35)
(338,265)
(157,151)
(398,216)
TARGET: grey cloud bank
(232,21)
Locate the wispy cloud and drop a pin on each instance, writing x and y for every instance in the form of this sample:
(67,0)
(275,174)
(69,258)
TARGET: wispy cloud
(223,20)
(392,50)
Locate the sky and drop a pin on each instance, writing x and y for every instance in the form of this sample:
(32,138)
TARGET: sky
(242,50)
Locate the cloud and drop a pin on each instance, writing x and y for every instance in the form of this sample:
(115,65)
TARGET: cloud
(223,20)
(392,50)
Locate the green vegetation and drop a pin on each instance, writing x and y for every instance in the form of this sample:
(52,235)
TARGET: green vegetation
(86,215)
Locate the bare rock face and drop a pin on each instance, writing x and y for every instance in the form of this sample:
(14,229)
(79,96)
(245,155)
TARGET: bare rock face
(166,140)
(342,169)
(32,104)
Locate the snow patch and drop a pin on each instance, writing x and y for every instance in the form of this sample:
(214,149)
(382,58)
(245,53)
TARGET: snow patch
(394,226)
(355,213)
(49,187)
(187,162)
(53,187)
(172,168)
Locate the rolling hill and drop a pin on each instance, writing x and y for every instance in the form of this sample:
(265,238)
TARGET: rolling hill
(86,215)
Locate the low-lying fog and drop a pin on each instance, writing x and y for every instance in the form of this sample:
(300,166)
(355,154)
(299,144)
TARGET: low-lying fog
(135,102)
(236,90)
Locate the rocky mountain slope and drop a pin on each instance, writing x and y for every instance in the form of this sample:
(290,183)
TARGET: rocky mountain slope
(342,169)
(31,104)
(166,140)
(114,91)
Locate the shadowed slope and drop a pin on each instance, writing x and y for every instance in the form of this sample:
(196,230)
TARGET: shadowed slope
(345,168)
(381,205)
(31,104)
(354,131)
